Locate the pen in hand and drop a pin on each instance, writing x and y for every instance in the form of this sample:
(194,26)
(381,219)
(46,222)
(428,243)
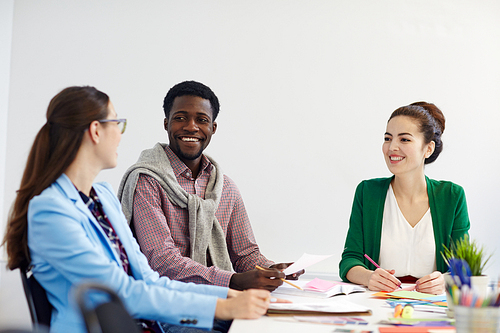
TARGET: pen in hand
(376,265)
(293,285)
(371,260)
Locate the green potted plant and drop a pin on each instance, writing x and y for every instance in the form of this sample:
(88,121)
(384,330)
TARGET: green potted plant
(475,255)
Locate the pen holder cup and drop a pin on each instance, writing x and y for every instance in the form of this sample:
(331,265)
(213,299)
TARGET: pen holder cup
(475,320)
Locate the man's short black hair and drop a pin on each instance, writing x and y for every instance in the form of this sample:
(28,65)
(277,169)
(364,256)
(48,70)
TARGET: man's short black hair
(191,88)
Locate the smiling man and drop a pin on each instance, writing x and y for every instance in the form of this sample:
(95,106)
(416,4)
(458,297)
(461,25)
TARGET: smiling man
(188,217)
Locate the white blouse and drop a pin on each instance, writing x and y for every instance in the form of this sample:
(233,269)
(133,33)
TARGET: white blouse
(409,250)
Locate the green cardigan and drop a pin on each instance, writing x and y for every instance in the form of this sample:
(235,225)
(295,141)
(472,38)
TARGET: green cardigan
(450,220)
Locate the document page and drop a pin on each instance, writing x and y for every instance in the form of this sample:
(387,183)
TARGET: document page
(340,306)
(305,261)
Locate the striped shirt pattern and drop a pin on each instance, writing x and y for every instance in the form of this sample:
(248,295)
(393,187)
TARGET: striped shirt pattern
(94,205)
(162,228)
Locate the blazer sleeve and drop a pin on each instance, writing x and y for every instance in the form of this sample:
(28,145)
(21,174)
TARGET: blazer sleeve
(134,252)
(69,245)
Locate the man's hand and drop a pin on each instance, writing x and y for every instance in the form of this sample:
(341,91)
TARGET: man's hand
(282,266)
(268,279)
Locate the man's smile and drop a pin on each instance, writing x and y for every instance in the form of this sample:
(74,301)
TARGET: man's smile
(189,139)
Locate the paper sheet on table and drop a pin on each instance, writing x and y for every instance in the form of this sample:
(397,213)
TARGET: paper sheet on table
(417,329)
(305,261)
(337,288)
(417,295)
(334,306)
(332,320)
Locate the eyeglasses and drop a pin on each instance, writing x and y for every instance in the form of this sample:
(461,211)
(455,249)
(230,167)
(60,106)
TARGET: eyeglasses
(122,123)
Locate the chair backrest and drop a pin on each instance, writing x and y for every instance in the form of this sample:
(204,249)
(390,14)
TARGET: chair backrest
(14,330)
(109,316)
(39,305)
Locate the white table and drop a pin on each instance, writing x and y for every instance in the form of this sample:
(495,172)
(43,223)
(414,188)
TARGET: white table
(287,324)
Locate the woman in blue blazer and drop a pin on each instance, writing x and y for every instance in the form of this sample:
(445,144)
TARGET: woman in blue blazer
(70,230)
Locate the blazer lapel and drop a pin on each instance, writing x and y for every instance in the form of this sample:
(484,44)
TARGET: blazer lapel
(72,193)
(121,228)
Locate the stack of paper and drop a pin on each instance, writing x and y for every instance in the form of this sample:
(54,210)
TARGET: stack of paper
(339,306)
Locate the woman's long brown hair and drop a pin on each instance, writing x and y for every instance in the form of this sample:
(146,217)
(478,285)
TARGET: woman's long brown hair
(69,114)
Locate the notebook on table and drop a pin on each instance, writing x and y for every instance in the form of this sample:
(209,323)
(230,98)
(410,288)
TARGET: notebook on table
(319,288)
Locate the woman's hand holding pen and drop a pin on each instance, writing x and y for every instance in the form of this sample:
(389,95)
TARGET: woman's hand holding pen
(383,280)
(431,284)
(377,280)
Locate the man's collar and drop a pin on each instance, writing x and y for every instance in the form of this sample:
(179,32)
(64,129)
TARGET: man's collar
(180,167)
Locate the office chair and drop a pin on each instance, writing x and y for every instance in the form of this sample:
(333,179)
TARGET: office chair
(108,317)
(38,304)
(15,330)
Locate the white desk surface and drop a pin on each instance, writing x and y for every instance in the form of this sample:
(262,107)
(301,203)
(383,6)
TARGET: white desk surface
(287,324)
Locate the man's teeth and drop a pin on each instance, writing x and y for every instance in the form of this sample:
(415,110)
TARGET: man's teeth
(394,158)
(190,139)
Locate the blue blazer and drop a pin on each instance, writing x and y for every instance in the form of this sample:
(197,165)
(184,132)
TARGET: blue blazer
(67,247)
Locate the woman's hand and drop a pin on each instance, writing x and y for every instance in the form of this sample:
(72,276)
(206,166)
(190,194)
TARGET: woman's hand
(248,304)
(431,284)
(383,280)
(233,293)
(378,280)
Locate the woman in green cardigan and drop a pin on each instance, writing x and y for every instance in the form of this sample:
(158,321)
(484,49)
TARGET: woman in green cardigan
(402,222)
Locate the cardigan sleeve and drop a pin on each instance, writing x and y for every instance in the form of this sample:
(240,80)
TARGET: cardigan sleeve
(461,223)
(450,217)
(365,225)
(353,248)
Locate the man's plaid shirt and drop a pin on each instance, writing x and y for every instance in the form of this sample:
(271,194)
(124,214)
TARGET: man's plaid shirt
(163,229)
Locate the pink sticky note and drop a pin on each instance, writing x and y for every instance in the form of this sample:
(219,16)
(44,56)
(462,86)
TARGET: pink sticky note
(320,285)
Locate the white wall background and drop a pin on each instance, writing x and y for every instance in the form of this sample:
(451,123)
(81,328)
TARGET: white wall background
(6,18)
(306,88)
(13,308)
